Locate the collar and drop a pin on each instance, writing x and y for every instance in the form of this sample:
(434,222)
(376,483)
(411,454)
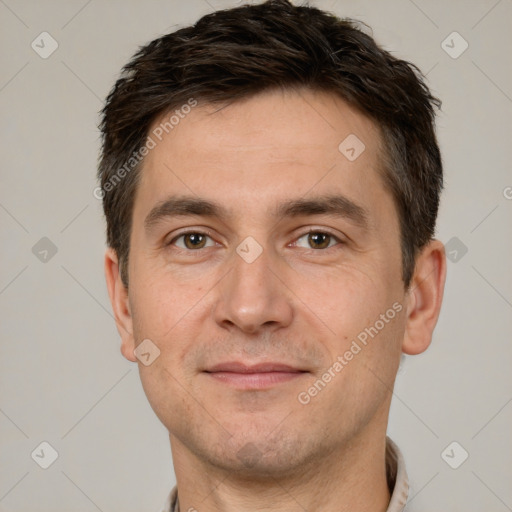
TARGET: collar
(395,471)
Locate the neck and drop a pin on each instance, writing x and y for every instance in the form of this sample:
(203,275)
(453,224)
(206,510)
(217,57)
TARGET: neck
(352,478)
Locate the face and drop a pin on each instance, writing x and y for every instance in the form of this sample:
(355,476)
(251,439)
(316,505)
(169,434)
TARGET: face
(265,265)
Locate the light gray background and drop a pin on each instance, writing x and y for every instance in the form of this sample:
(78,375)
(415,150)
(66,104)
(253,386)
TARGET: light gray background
(62,377)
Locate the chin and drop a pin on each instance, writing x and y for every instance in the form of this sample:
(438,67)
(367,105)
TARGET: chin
(262,458)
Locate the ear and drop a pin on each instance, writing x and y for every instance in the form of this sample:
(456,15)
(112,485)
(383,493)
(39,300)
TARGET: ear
(424,298)
(120,304)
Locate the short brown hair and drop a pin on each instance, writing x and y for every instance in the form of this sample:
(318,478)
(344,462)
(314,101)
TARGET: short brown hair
(236,53)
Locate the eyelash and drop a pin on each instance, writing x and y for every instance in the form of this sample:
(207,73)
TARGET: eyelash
(311,231)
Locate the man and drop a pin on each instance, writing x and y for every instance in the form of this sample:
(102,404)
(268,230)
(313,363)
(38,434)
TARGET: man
(271,180)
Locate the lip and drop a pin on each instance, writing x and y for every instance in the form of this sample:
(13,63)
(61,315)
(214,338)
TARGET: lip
(237,367)
(258,376)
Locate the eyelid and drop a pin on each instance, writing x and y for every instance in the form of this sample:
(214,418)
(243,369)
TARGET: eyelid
(327,231)
(342,239)
(188,231)
(207,232)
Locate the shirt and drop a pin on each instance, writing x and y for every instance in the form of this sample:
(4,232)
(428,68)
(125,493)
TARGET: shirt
(396,475)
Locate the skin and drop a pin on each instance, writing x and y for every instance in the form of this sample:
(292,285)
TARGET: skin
(261,449)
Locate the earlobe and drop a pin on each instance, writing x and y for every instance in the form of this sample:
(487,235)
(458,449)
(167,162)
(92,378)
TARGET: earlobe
(120,304)
(424,298)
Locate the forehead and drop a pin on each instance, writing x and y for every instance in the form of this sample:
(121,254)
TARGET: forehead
(303,121)
(275,145)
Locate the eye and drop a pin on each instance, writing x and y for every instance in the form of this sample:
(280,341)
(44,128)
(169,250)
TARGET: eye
(317,240)
(192,241)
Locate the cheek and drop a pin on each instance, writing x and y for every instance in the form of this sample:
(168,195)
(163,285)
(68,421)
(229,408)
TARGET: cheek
(162,302)
(172,314)
(365,313)
(351,299)
(165,391)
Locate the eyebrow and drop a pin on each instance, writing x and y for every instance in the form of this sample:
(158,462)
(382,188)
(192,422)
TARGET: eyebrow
(183,206)
(336,205)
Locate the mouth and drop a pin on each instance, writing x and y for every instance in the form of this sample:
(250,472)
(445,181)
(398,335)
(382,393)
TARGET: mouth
(251,377)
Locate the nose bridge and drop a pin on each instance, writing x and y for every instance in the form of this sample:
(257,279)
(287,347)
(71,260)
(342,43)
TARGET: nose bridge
(252,297)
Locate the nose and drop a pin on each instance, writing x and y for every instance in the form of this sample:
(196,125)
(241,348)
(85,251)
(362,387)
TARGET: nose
(252,298)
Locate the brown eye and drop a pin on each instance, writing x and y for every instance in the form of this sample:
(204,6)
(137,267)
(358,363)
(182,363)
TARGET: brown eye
(192,241)
(319,240)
